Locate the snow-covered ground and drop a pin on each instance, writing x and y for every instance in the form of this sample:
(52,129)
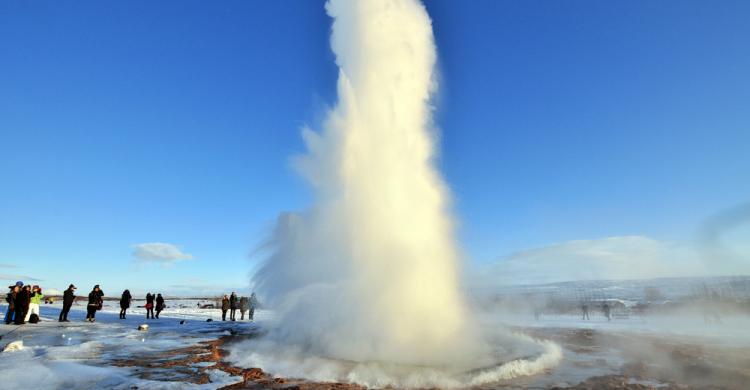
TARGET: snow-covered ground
(76,355)
(81,355)
(731,329)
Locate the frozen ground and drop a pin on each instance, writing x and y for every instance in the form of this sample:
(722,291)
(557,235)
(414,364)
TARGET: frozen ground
(80,355)
(655,350)
(681,350)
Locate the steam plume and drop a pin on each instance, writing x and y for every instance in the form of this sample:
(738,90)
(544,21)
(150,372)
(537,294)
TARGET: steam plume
(371,272)
(375,258)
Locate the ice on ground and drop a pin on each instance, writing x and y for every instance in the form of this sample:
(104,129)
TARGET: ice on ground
(78,354)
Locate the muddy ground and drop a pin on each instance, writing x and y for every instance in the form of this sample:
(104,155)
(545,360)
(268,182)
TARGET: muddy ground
(593,360)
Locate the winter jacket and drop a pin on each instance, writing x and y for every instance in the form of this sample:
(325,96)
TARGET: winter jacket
(22,299)
(244,304)
(225,304)
(68,297)
(95,298)
(232,301)
(125,300)
(159,303)
(37,298)
(11,299)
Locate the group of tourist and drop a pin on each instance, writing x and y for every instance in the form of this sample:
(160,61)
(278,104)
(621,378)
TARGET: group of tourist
(232,303)
(23,303)
(153,302)
(24,300)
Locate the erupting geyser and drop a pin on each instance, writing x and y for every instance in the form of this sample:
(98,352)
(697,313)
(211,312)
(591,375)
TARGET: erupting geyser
(369,275)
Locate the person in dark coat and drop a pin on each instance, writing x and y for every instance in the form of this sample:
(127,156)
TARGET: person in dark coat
(224,307)
(96,300)
(149,306)
(11,299)
(232,305)
(159,304)
(68,298)
(606,310)
(125,303)
(23,298)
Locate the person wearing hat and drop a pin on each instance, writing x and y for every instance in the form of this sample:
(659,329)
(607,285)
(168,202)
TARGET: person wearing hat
(68,298)
(23,298)
(36,299)
(96,299)
(11,299)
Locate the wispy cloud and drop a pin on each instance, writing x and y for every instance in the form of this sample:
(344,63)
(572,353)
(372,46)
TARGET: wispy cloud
(620,257)
(160,253)
(13,278)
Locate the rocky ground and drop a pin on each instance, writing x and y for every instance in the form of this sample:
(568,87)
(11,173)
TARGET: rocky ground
(628,362)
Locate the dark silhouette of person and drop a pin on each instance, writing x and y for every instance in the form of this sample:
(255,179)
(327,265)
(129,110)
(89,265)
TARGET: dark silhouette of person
(149,306)
(585,309)
(606,310)
(96,300)
(232,305)
(125,303)
(224,307)
(11,299)
(159,304)
(68,298)
(23,299)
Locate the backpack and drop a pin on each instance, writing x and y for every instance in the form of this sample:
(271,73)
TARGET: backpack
(33,318)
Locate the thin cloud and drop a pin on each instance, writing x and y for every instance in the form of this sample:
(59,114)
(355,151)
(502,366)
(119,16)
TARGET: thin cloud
(160,253)
(23,278)
(620,257)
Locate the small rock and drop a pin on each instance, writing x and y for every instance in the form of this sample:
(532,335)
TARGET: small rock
(253,374)
(14,346)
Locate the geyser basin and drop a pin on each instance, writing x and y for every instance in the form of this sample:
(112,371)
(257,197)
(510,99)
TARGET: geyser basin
(513,356)
(366,282)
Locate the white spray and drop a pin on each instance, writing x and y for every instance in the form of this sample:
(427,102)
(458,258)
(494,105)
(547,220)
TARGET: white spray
(371,272)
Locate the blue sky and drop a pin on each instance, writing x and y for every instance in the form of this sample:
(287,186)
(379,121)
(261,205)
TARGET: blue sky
(173,122)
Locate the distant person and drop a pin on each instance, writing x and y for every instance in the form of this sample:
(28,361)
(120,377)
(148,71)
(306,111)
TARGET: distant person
(125,301)
(34,302)
(68,298)
(149,306)
(232,305)
(23,298)
(585,310)
(159,304)
(606,310)
(96,301)
(10,298)
(244,306)
(253,305)
(224,307)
